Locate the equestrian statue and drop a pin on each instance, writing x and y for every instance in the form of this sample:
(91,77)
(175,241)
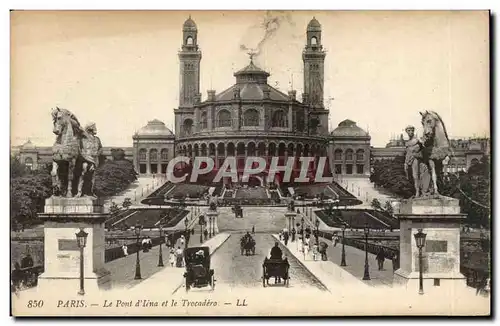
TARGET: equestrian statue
(75,155)
(426,157)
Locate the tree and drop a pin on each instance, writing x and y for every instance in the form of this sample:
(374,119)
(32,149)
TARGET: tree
(113,209)
(388,208)
(390,174)
(114,177)
(117,154)
(17,169)
(27,196)
(127,203)
(474,191)
(376,204)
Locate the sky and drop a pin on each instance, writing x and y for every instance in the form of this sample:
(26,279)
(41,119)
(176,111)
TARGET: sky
(120,69)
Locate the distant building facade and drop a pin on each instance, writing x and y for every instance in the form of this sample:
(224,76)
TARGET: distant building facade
(465,152)
(35,157)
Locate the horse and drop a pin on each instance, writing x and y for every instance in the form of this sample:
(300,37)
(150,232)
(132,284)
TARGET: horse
(436,146)
(65,151)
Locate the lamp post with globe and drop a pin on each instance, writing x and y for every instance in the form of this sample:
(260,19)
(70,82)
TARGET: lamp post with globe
(81,239)
(420,240)
(366,276)
(137,231)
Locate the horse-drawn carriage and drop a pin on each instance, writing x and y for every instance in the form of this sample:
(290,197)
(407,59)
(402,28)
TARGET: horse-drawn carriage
(198,273)
(247,245)
(277,268)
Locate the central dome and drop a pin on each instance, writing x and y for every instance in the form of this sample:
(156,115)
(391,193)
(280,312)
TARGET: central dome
(251,73)
(251,84)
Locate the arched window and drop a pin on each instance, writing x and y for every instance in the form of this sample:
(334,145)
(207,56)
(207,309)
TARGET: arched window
(279,119)
(203,120)
(251,118)
(29,163)
(164,154)
(314,40)
(142,154)
(189,40)
(187,127)
(474,161)
(360,155)
(224,119)
(153,155)
(211,149)
(349,155)
(337,155)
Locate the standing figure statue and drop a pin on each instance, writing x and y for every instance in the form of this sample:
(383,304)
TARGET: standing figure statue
(90,152)
(65,151)
(413,159)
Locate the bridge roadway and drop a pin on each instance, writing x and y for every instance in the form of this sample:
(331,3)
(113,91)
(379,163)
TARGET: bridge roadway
(233,270)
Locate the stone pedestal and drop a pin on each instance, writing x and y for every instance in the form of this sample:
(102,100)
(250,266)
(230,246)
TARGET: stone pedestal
(212,215)
(63,218)
(290,220)
(440,219)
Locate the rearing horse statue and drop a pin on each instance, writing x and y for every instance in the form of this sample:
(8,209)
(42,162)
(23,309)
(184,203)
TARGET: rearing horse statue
(436,146)
(65,151)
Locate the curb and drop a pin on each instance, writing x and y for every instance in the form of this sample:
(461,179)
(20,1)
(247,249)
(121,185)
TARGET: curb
(213,252)
(302,264)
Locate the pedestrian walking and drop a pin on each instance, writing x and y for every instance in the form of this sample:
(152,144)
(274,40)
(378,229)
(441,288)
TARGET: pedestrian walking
(172,257)
(179,257)
(306,246)
(315,252)
(125,250)
(380,259)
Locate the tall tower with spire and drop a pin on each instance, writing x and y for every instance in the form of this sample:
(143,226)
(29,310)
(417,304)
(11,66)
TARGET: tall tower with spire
(313,57)
(189,57)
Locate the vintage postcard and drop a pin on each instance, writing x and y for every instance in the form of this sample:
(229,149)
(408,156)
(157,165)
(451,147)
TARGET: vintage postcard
(250,163)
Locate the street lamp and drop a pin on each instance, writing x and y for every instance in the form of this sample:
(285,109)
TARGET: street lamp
(186,223)
(317,232)
(366,276)
(420,239)
(342,262)
(81,240)
(137,231)
(160,257)
(201,221)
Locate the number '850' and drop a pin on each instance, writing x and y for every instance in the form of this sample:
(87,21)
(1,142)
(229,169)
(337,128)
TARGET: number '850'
(35,304)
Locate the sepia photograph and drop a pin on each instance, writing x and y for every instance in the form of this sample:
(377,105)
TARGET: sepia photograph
(250,163)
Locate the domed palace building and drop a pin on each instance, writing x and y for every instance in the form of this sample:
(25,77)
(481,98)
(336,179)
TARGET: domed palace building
(349,149)
(251,118)
(153,148)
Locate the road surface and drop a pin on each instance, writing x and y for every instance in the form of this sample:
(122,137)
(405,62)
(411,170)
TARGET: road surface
(232,270)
